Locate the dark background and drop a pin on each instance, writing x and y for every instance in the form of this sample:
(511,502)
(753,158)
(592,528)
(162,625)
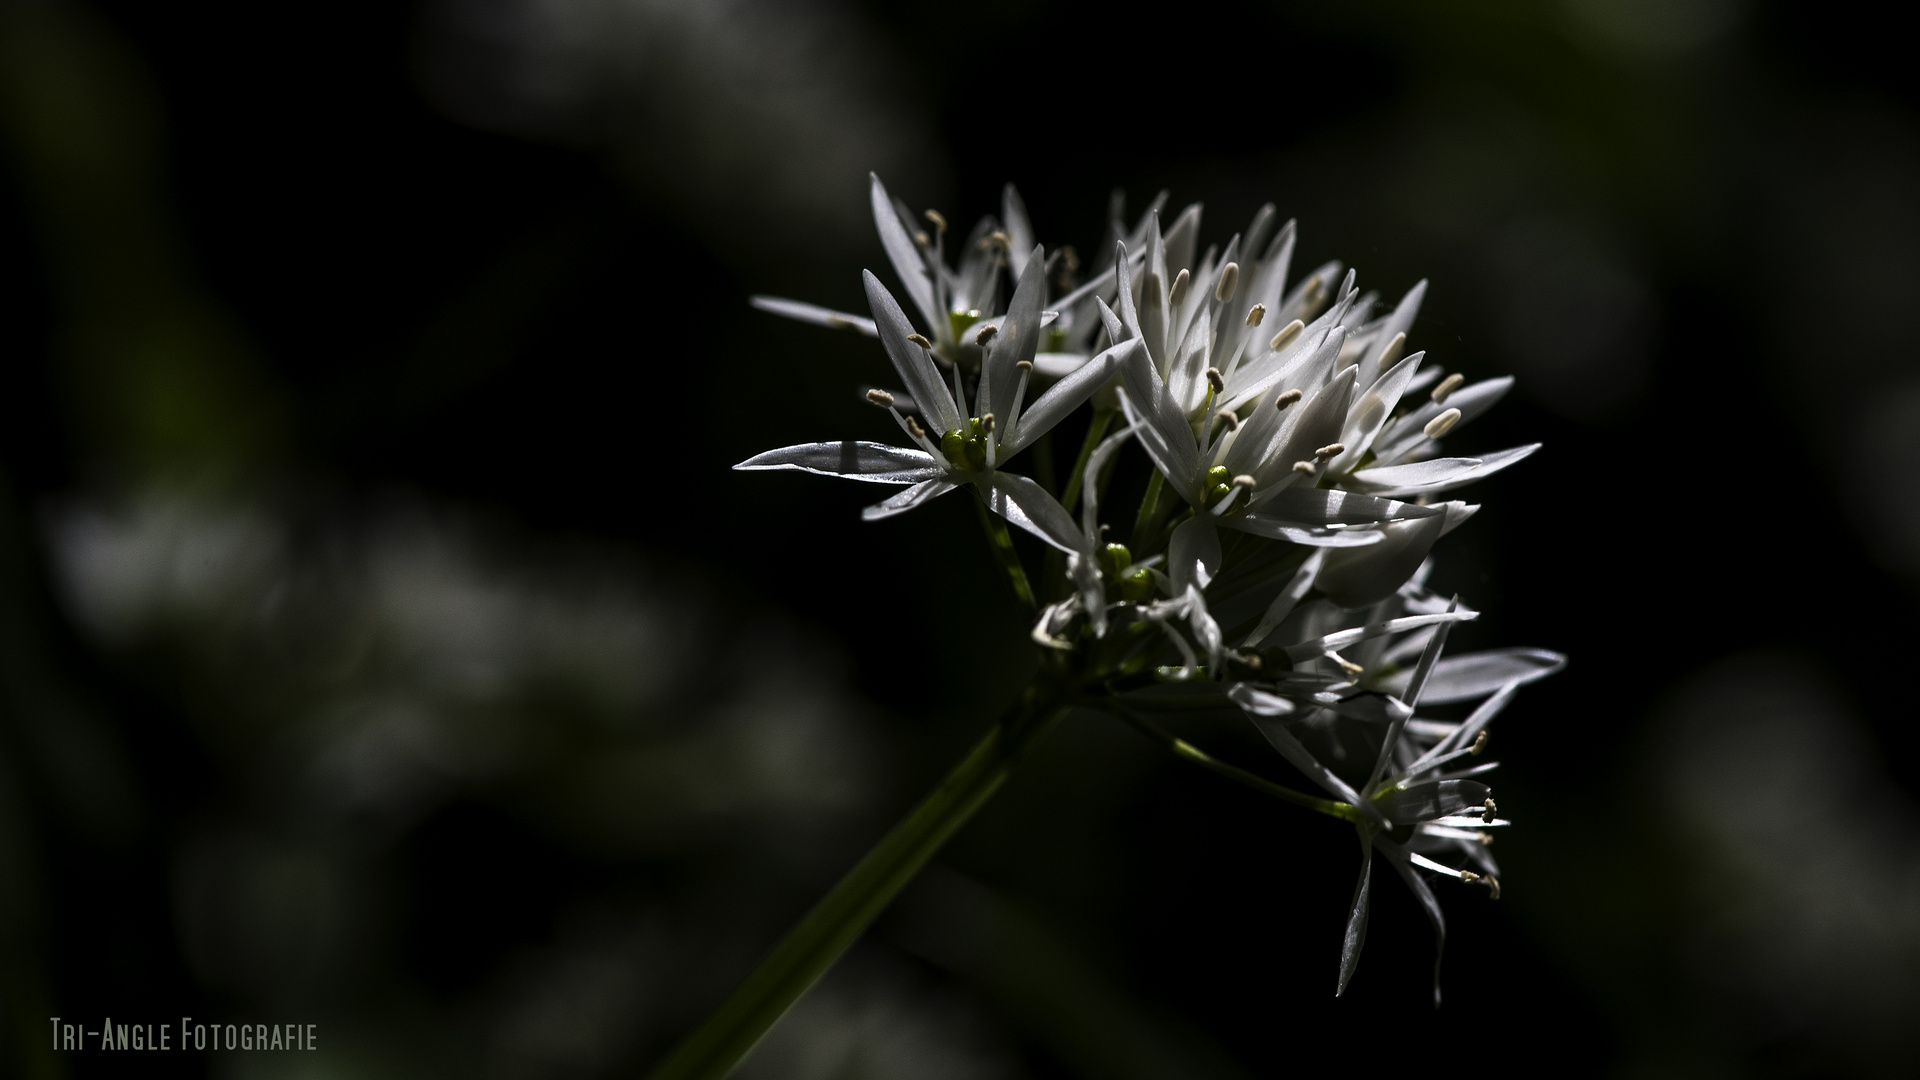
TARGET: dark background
(386,644)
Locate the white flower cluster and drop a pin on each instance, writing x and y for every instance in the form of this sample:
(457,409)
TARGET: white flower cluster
(1279,557)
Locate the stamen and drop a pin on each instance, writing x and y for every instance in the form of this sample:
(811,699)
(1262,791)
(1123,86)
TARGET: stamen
(920,237)
(996,239)
(1479,743)
(1493,887)
(1216,380)
(1486,838)
(1023,365)
(1229,280)
(1233,422)
(986,423)
(1286,335)
(1243,481)
(1469,876)
(914,429)
(921,340)
(939,220)
(1287,399)
(1346,665)
(985,335)
(1256,313)
(1446,388)
(1252,660)
(1490,812)
(880,397)
(1391,354)
(1305,468)
(1442,424)
(1179,290)
(1331,450)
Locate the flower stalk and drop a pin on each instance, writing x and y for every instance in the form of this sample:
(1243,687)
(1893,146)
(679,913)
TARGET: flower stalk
(730,1033)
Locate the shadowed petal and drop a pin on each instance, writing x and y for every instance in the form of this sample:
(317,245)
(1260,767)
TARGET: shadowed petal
(908,499)
(875,463)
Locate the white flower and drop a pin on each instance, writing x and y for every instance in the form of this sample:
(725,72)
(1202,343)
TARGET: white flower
(967,444)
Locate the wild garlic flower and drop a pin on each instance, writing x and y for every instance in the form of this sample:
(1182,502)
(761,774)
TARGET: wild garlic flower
(967,444)
(957,303)
(1283,576)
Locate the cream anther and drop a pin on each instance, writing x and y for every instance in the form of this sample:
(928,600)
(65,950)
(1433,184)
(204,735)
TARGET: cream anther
(1490,811)
(1286,335)
(1346,665)
(986,422)
(1286,399)
(1256,313)
(880,397)
(920,237)
(1023,365)
(1442,424)
(1229,281)
(914,429)
(1469,876)
(1243,481)
(921,340)
(1479,743)
(985,335)
(1233,420)
(939,220)
(1331,450)
(1305,468)
(1391,354)
(1179,291)
(1216,380)
(1446,388)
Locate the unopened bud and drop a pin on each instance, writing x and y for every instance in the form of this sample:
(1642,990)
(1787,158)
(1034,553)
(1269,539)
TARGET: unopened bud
(921,340)
(1286,399)
(1216,380)
(880,397)
(939,220)
(1256,313)
(1179,291)
(1229,281)
(1286,335)
(1446,388)
(1442,424)
(985,335)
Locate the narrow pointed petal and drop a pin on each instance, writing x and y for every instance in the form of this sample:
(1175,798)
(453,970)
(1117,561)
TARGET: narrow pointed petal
(1331,506)
(1369,414)
(1027,505)
(1471,676)
(909,360)
(1013,218)
(1355,936)
(1018,339)
(1340,639)
(1430,800)
(1397,855)
(1408,433)
(1400,322)
(875,463)
(813,313)
(1067,395)
(1305,535)
(1318,424)
(905,256)
(1367,576)
(1431,478)
(1193,554)
(1429,656)
(1275,731)
(1290,596)
(908,499)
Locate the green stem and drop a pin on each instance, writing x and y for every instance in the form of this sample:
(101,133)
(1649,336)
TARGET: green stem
(1002,544)
(1096,430)
(1145,522)
(716,1047)
(1184,749)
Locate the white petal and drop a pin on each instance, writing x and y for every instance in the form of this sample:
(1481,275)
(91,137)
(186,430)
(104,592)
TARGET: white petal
(1471,676)
(1027,504)
(1193,553)
(908,499)
(911,361)
(1439,474)
(875,463)
(905,256)
(813,313)
(1067,395)
(1363,577)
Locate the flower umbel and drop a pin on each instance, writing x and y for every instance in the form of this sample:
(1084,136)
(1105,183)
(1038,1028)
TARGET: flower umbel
(1276,566)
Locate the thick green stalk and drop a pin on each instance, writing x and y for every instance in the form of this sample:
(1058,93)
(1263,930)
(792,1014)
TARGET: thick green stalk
(1002,544)
(717,1046)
